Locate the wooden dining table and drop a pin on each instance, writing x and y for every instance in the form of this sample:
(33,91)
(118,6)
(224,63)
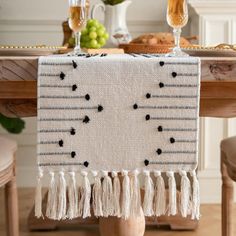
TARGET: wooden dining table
(18,87)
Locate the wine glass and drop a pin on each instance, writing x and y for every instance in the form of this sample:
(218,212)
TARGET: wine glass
(77,20)
(177,18)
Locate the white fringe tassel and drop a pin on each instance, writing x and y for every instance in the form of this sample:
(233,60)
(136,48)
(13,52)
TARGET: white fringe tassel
(97,195)
(81,201)
(135,204)
(195,197)
(51,211)
(172,208)
(111,197)
(125,209)
(185,193)
(159,195)
(148,196)
(116,194)
(107,195)
(61,211)
(38,196)
(72,197)
(86,195)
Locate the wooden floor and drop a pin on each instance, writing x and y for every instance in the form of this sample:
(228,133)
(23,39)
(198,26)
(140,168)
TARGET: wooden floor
(209,224)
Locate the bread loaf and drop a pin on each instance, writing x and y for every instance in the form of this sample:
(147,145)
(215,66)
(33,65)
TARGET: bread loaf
(159,39)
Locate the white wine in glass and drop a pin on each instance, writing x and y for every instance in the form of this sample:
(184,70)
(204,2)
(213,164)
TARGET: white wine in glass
(77,20)
(177,18)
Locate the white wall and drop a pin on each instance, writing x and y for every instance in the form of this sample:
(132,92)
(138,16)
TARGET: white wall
(31,22)
(39,22)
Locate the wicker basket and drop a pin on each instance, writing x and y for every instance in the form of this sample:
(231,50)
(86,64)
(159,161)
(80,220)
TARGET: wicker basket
(145,48)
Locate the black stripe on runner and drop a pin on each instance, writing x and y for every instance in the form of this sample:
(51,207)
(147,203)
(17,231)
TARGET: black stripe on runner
(68,108)
(56,63)
(167,107)
(59,97)
(186,74)
(172,118)
(86,119)
(53,153)
(48,142)
(180,63)
(61,164)
(54,86)
(174,96)
(61,119)
(178,152)
(171,163)
(179,130)
(54,130)
(72,108)
(48,75)
(181,85)
(185,141)
(85,163)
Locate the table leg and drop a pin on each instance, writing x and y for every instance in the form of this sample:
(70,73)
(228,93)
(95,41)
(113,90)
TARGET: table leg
(114,226)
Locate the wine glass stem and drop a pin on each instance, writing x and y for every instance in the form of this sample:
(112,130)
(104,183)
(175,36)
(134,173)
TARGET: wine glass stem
(77,41)
(177,33)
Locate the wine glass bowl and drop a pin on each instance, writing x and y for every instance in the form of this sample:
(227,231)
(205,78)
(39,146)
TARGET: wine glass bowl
(77,20)
(177,18)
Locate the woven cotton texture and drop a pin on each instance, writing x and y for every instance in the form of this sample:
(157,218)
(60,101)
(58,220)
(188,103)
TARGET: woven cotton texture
(121,114)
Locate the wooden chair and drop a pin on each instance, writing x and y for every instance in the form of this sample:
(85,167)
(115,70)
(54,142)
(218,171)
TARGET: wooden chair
(228,170)
(8,179)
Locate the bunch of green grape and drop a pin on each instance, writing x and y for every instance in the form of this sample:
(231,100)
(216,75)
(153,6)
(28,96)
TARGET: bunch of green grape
(94,35)
(112,2)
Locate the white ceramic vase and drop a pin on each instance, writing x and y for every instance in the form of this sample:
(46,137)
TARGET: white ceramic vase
(115,22)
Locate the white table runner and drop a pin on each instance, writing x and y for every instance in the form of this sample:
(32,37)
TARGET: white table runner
(137,116)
